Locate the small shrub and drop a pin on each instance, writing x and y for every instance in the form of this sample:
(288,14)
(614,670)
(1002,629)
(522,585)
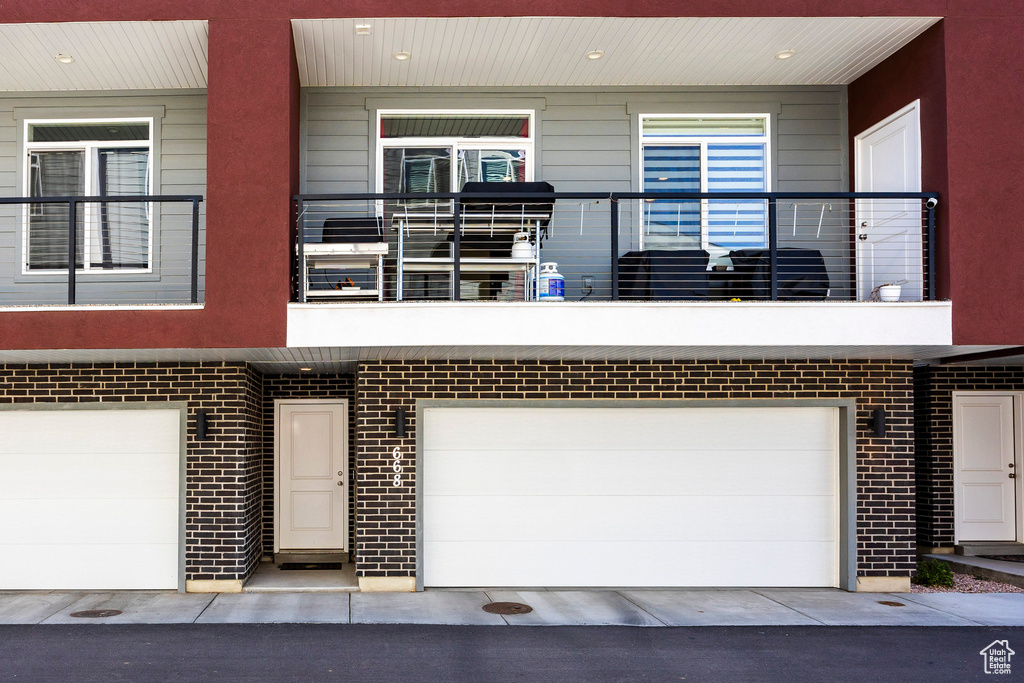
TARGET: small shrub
(934,573)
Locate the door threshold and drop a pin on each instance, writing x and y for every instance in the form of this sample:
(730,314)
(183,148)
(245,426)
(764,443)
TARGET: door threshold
(310,556)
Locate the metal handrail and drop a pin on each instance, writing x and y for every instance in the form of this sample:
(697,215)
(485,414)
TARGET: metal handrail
(73,202)
(929,200)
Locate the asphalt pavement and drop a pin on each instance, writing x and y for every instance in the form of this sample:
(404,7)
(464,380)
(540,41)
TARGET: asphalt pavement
(414,653)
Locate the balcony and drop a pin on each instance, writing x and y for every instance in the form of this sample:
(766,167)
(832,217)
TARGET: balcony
(103,250)
(616,246)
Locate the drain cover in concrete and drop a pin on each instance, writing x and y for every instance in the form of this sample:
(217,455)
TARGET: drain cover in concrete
(96,613)
(507,608)
(891,603)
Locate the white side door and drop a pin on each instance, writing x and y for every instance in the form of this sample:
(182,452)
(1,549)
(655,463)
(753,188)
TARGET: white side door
(312,476)
(889,231)
(983,457)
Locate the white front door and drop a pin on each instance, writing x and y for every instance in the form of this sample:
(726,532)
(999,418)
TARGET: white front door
(889,231)
(312,476)
(983,456)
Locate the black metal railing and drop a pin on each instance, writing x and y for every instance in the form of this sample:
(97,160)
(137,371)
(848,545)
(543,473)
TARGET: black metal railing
(774,246)
(104,249)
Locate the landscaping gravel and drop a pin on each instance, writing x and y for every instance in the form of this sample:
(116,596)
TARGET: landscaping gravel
(965,583)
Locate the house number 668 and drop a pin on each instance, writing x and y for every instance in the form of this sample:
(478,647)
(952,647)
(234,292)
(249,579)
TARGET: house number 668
(396,465)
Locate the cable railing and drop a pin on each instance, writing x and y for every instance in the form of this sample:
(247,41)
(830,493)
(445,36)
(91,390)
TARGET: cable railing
(554,246)
(105,250)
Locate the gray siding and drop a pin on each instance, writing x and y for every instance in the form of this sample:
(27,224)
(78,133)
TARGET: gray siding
(587,142)
(179,162)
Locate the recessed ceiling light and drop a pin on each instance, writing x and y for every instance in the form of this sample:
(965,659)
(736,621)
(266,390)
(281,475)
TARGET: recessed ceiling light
(665,178)
(64,59)
(595,54)
(785,54)
(362,29)
(402,56)
(305,369)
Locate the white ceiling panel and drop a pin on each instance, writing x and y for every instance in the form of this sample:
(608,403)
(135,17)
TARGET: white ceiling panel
(551,51)
(107,55)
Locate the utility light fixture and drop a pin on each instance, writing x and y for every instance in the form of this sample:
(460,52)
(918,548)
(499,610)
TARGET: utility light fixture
(595,54)
(402,56)
(785,54)
(362,29)
(64,59)
(876,423)
(202,424)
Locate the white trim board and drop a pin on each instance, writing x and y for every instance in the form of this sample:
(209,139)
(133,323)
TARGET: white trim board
(728,324)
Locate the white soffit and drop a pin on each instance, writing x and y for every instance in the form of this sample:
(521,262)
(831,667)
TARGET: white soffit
(551,51)
(107,55)
(333,359)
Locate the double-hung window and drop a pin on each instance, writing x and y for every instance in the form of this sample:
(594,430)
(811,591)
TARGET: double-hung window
(705,153)
(440,151)
(88,157)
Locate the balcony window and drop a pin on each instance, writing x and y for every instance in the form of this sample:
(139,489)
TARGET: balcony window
(705,153)
(88,158)
(432,151)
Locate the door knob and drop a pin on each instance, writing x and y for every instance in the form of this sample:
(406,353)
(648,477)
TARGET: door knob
(862,236)
(341,483)
(1011,475)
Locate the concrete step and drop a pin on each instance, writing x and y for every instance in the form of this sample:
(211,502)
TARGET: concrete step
(989,548)
(994,570)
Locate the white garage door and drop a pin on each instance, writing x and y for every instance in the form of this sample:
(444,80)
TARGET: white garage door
(89,499)
(630,497)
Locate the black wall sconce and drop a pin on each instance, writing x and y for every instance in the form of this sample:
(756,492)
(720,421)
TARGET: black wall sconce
(400,423)
(876,423)
(202,418)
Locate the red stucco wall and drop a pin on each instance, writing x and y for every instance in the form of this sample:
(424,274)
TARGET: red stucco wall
(969,75)
(985,86)
(973,60)
(157,10)
(252,152)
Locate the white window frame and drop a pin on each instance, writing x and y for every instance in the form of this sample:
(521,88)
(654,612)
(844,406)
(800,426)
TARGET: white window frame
(89,150)
(703,142)
(456,143)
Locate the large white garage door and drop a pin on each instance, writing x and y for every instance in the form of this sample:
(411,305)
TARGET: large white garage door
(630,497)
(89,499)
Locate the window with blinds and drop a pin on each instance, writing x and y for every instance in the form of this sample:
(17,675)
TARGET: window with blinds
(88,158)
(711,154)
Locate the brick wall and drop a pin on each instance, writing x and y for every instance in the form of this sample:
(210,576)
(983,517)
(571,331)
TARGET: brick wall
(303,387)
(386,523)
(222,506)
(933,389)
